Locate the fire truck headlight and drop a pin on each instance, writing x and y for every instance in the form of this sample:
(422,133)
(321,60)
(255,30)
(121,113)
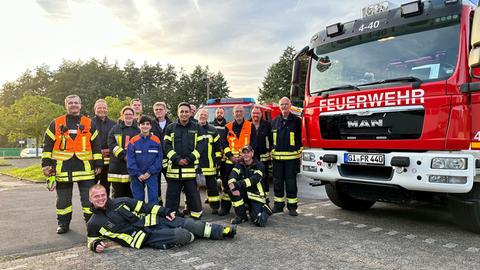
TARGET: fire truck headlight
(444,179)
(449,163)
(308,156)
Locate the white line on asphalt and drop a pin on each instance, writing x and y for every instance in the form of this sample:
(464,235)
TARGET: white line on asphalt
(450,245)
(308,215)
(429,241)
(410,236)
(346,223)
(66,257)
(312,207)
(190,260)
(472,249)
(181,253)
(376,229)
(361,226)
(204,266)
(392,232)
(332,219)
(319,217)
(17,267)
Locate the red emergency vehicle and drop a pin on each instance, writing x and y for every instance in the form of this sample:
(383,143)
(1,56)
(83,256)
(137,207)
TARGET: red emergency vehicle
(228,103)
(392,107)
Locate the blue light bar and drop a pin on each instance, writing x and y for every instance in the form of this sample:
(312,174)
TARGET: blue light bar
(230,100)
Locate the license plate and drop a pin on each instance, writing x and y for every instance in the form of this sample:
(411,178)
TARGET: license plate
(357,158)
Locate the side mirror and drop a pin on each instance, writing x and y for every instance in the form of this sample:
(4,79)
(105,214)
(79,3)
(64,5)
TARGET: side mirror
(295,88)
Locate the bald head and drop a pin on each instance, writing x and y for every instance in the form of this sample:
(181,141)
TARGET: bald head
(202,116)
(238,113)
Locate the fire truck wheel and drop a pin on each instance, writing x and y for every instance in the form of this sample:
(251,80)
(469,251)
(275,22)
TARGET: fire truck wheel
(466,208)
(345,201)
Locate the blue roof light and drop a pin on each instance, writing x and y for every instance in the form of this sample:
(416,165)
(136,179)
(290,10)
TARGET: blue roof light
(230,100)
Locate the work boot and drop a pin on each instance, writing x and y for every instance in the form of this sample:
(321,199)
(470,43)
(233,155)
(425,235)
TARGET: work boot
(277,209)
(214,211)
(238,220)
(186,212)
(206,201)
(292,212)
(230,231)
(223,212)
(63,228)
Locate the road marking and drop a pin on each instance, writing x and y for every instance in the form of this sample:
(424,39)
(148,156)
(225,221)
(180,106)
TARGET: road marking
(204,266)
(312,207)
(410,236)
(472,249)
(308,215)
(376,229)
(392,232)
(450,245)
(17,267)
(429,241)
(326,204)
(361,226)
(332,219)
(181,253)
(319,217)
(346,223)
(190,260)
(66,257)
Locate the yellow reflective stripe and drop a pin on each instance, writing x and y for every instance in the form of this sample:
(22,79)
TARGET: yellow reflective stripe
(172,175)
(138,240)
(255,197)
(106,160)
(218,154)
(292,200)
(209,155)
(167,138)
(248,182)
(258,172)
(138,206)
(225,197)
(78,173)
(170,154)
(237,203)
(189,175)
(97,156)
(208,230)
(196,154)
(84,143)
(86,210)
(47,155)
(64,211)
(118,178)
(213,198)
(216,138)
(195,141)
(122,236)
(58,168)
(117,150)
(61,155)
(274,137)
(87,167)
(201,137)
(260,189)
(50,134)
(196,214)
(292,138)
(278,199)
(189,170)
(87,155)
(119,141)
(94,135)
(153,214)
(91,240)
(86,177)
(237,170)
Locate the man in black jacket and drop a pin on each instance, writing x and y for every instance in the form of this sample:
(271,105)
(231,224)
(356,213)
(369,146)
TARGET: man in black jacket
(132,223)
(104,125)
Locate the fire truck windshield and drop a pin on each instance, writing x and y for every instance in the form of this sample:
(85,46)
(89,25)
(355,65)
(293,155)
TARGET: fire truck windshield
(402,51)
(228,113)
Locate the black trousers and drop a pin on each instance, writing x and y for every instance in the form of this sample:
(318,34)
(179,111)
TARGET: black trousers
(102,179)
(189,186)
(266,176)
(225,202)
(285,179)
(121,190)
(64,200)
(164,173)
(212,191)
(239,205)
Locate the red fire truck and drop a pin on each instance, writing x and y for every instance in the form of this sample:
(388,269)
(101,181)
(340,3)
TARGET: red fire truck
(392,107)
(228,103)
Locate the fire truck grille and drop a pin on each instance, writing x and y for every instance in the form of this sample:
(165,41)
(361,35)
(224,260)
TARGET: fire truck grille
(387,125)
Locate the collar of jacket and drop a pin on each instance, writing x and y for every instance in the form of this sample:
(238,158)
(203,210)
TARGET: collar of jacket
(97,211)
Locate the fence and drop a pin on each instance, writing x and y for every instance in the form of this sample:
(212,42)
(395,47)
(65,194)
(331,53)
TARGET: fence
(10,152)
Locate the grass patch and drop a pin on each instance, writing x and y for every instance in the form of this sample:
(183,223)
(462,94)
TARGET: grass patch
(3,162)
(31,173)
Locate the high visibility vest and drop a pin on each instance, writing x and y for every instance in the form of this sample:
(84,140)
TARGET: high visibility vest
(65,147)
(235,144)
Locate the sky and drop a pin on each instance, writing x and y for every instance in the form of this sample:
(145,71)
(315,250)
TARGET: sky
(240,38)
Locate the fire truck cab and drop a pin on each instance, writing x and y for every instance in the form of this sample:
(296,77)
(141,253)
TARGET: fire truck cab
(228,103)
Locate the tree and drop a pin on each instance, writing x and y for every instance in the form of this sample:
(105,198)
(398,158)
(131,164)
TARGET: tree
(28,117)
(115,105)
(276,83)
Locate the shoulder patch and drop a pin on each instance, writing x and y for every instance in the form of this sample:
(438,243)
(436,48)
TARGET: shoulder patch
(134,139)
(154,138)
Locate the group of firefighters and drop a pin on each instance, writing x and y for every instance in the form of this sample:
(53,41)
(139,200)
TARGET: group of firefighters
(132,154)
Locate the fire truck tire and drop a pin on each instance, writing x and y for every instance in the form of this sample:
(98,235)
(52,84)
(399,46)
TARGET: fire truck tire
(465,208)
(345,201)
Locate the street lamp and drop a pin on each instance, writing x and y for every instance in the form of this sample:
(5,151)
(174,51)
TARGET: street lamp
(206,79)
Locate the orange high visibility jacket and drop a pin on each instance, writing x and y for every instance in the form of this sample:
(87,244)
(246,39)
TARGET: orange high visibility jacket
(235,143)
(65,147)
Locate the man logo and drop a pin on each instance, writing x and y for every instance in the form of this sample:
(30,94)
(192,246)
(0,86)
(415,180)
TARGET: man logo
(365,123)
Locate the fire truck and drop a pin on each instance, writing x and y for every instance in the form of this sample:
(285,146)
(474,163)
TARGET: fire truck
(392,107)
(228,103)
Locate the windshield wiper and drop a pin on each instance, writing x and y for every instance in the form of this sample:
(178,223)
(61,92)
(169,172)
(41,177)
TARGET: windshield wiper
(325,92)
(415,81)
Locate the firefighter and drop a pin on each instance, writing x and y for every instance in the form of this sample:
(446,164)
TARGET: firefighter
(71,154)
(262,131)
(137,106)
(135,224)
(103,124)
(159,125)
(246,186)
(210,157)
(287,147)
(118,140)
(181,138)
(238,134)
